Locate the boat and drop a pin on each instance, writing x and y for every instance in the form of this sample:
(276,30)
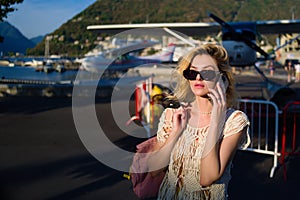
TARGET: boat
(60,68)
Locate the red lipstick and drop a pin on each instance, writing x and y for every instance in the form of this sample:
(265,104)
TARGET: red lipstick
(199,85)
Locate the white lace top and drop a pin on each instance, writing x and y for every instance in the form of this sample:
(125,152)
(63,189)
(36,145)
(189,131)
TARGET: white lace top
(182,180)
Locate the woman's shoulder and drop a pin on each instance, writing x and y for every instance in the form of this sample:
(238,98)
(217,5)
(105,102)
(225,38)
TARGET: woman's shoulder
(236,118)
(232,113)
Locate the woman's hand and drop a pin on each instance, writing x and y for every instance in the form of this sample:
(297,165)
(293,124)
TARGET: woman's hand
(179,121)
(218,117)
(218,97)
(161,157)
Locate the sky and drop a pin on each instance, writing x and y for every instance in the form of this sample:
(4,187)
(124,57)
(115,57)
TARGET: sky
(40,17)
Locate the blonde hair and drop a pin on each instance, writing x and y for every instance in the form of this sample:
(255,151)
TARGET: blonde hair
(182,89)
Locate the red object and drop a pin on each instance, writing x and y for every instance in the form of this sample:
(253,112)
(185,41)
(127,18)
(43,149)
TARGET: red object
(284,152)
(144,184)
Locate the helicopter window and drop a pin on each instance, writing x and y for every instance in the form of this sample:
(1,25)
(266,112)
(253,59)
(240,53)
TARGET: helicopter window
(118,59)
(126,57)
(245,33)
(227,36)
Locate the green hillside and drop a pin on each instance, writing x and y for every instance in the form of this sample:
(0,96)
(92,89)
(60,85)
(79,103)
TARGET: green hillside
(73,39)
(14,40)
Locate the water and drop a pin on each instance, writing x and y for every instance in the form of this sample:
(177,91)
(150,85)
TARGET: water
(29,73)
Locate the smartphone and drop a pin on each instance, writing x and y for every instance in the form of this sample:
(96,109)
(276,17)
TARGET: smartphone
(212,84)
(225,81)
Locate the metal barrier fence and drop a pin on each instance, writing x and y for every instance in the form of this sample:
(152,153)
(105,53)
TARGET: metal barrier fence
(263,117)
(291,113)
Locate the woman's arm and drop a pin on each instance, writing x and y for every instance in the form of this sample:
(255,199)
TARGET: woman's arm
(219,151)
(161,157)
(213,165)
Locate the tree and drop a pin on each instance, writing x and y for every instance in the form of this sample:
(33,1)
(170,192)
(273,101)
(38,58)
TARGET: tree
(6,7)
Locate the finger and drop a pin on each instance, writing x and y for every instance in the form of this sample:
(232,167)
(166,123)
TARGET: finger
(184,104)
(179,118)
(215,96)
(177,114)
(214,100)
(183,114)
(184,119)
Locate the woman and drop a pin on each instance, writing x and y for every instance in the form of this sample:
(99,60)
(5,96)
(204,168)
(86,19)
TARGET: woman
(199,139)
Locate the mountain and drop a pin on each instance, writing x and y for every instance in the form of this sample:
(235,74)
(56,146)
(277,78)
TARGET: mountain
(14,40)
(37,39)
(73,39)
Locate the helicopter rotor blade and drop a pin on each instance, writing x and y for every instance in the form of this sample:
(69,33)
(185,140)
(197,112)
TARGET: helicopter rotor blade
(239,36)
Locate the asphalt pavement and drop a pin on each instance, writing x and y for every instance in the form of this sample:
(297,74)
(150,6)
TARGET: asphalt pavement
(43,157)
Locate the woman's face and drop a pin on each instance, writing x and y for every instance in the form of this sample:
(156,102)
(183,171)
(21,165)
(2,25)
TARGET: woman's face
(203,62)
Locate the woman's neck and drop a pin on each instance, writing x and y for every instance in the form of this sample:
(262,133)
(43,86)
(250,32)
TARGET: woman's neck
(200,112)
(202,104)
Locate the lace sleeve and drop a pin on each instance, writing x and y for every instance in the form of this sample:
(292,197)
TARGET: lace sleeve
(235,123)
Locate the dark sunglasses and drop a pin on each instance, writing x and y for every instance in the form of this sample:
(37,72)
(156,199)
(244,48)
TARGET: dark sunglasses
(206,75)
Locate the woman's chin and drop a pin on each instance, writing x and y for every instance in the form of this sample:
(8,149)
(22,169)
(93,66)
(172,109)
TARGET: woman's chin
(201,94)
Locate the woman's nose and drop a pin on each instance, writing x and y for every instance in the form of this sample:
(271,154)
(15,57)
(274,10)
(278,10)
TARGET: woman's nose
(198,77)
